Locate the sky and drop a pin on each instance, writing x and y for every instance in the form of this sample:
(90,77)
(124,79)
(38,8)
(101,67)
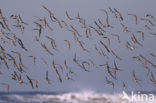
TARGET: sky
(90,11)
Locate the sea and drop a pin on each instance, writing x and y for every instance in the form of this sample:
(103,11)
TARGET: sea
(66,97)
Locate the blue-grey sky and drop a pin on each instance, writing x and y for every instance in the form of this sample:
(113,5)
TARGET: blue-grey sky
(90,11)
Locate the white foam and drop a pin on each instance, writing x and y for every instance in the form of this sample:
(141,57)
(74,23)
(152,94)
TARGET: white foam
(74,97)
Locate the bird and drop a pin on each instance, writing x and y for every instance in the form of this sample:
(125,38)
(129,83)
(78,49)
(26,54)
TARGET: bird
(22,20)
(100,22)
(119,14)
(99,26)
(69,45)
(4,20)
(4,61)
(46,24)
(153,55)
(109,82)
(150,16)
(34,58)
(30,81)
(133,38)
(105,47)
(152,79)
(142,34)
(136,80)
(116,56)
(68,17)
(83,48)
(107,21)
(68,78)
(149,21)
(124,85)
(36,83)
(118,37)
(136,18)
(47,79)
(65,65)
(45,48)
(44,61)
(21,44)
(84,68)
(1,23)
(38,29)
(108,39)
(57,73)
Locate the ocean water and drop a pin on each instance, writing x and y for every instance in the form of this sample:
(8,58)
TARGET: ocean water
(73,97)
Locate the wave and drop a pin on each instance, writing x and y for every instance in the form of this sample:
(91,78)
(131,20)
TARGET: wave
(72,97)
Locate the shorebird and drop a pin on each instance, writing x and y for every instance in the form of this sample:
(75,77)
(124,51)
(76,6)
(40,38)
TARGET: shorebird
(119,14)
(19,56)
(149,21)
(109,82)
(30,81)
(46,24)
(53,43)
(65,24)
(118,37)
(21,44)
(97,50)
(75,31)
(47,10)
(152,79)
(36,83)
(4,61)
(12,40)
(47,79)
(45,48)
(2,25)
(135,41)
(116,56)
(136,80)
(44,61)
(107,67)
(107,38)
(124,28)
(109,71)
(107,21)
(83,48)
(152,64)
(68,78)
(68,17)
(100,22)
(57,73)
(137,58)
(84,68)
(124,85)
(136,18)
(22,20)
(128,45)
(153,55)
(142,34)
(99,26)
(150,16)
(68,43)
(4,20)
(105,47)
(147,27)
(65,65)
(38,29)
(113,12)
(34,58)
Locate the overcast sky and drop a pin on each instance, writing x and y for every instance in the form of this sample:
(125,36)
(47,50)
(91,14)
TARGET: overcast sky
(90,11)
